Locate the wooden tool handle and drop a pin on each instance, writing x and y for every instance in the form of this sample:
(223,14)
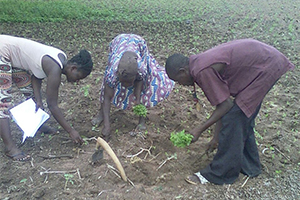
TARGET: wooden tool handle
(112,154)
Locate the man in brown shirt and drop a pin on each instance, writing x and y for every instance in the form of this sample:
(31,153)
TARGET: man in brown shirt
(243,70)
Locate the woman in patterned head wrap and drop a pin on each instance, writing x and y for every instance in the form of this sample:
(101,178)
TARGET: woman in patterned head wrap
(132,77)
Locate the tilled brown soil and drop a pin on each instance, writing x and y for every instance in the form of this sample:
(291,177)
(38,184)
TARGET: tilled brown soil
(156,169)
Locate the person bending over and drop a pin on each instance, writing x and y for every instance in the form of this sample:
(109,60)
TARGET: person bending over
(132,77)
(235,77)
(26,63)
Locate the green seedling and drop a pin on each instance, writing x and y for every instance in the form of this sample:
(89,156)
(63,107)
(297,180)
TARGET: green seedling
(23,180)
(140,110)
(85,140)
(68,178)
(85,90)
(181,139)
(278,171)
(50,137)
(158,131)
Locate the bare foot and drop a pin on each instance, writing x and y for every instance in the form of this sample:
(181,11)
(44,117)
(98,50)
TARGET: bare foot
(97,120)
(196,178)
(47,129)
(18,155)
(192,179)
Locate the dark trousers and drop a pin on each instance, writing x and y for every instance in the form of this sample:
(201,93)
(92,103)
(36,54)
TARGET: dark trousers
(237,150)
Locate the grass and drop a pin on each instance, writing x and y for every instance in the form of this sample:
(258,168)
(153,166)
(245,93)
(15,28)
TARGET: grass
(44,11)
(230,20)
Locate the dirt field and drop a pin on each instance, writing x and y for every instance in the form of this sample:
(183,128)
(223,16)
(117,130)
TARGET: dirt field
(76,177)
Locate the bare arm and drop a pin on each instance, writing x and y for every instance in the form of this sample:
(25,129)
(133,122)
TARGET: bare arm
(217,130)
(53,72)
(213,143)
(138,85)
(218,113)
(36,85)
(108,95)
(52,99)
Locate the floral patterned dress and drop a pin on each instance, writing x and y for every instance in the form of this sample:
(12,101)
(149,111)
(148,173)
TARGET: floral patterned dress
(156,84)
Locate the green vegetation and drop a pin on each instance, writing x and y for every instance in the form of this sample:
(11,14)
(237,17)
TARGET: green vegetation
(45,11)
(244,15)
(119,10)
(24,180)
(140,110)
(181,139)
(233,21)
(168,26)
(68,178)
(86,90)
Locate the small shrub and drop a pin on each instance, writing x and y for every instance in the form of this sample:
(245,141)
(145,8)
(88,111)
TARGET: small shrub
(140,110)
(181,139)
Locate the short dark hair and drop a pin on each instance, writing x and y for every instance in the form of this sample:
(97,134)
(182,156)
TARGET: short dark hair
(84,62)
(175,62)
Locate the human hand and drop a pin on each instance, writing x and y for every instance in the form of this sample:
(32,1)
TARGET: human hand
(136,102)
(211,145)
(39,104)
(196,134)
(140,127)
(106,133)
(76,137)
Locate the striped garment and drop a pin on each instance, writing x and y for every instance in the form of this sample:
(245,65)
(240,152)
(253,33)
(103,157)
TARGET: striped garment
(9,76)
(156,84)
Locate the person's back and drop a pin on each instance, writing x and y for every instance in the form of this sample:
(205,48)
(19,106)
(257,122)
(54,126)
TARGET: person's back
(251,69)
(27,54)
(244,59)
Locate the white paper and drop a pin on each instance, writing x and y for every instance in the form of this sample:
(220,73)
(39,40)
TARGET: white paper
(27,119)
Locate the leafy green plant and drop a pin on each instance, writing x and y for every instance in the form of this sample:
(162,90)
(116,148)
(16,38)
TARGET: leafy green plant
(181,139)
(140,110)
(68,178)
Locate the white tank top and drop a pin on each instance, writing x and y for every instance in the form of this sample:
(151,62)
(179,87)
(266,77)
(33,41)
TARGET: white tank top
(27,54)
